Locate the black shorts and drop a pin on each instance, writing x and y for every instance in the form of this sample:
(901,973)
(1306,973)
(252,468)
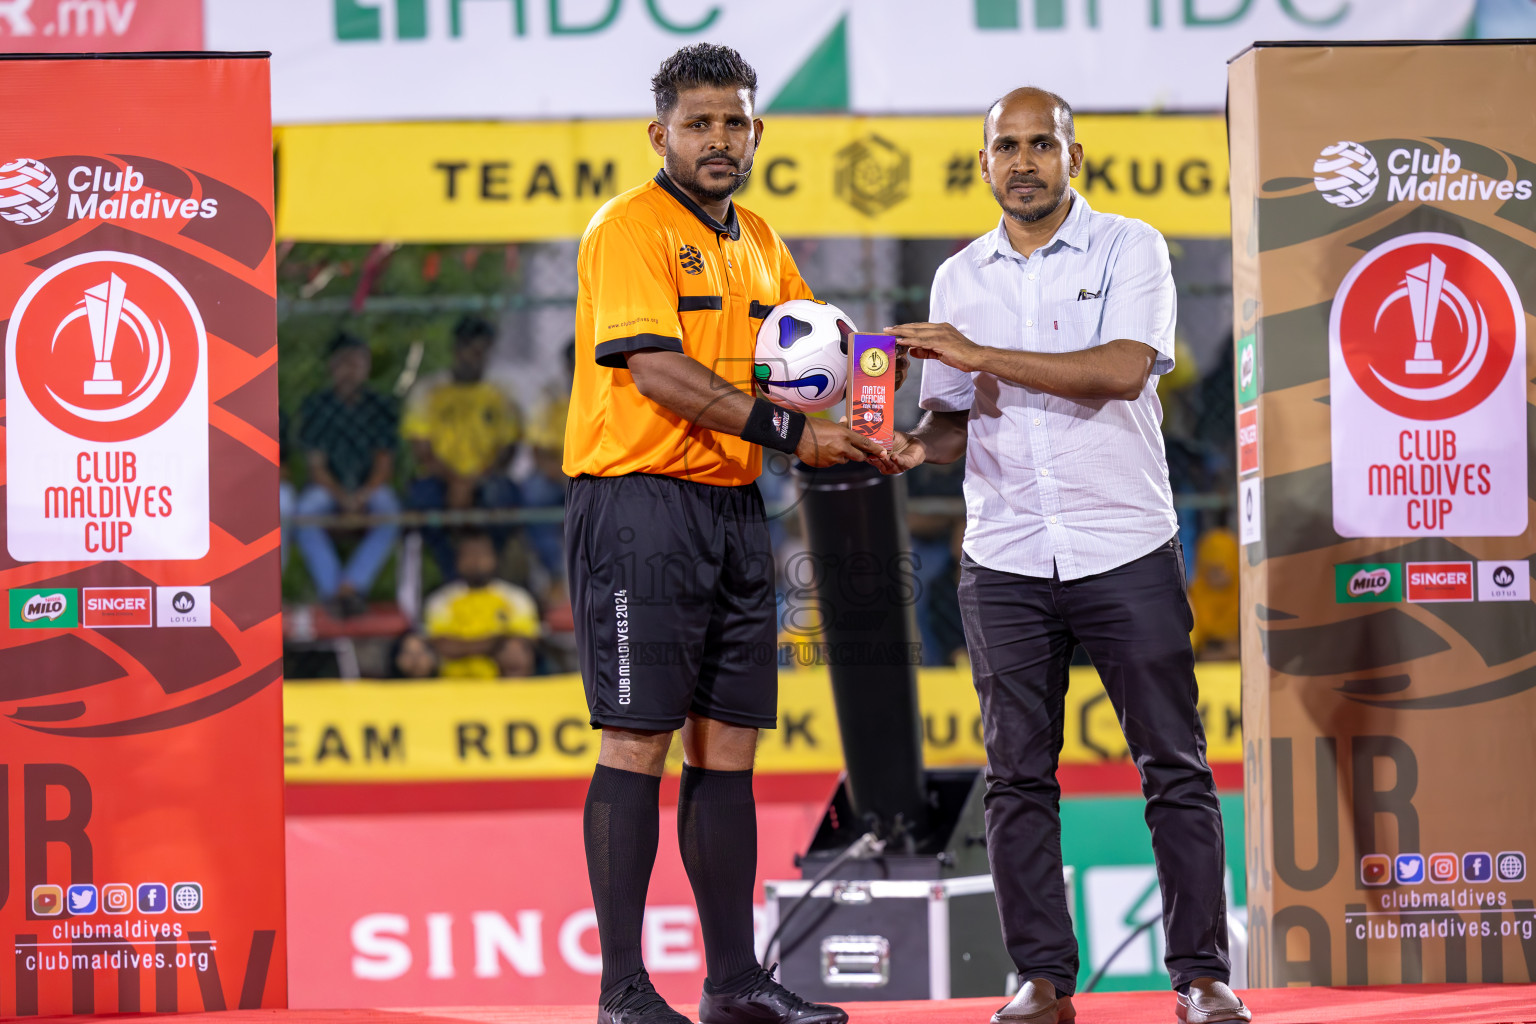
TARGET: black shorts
(672,592)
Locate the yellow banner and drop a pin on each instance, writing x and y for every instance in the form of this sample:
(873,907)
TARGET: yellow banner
(901,177)
(537,729)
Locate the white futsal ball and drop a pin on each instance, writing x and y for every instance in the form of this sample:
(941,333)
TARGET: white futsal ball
(802,355)
(1346,174)
(28,191)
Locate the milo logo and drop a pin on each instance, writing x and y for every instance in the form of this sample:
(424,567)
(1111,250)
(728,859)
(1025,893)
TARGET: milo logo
(1368,583)
(50,608)
(44,609)
(1363,582)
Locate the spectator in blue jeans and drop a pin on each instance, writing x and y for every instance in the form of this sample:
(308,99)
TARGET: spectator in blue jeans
(348,432)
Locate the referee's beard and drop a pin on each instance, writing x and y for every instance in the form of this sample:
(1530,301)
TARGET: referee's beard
(691,179)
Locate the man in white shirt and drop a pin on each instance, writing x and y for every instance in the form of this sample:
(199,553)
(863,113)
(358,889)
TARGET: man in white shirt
(1047,338)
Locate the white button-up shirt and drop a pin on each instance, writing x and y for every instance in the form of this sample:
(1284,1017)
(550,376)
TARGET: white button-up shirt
(1059,485)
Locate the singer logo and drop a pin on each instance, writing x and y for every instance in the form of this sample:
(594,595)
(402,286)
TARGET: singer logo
(1427,324)
(1439,581)
(106,345)
(110,607)
(1248,441)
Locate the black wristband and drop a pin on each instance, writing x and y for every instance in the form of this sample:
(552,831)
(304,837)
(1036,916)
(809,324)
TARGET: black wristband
(774,426)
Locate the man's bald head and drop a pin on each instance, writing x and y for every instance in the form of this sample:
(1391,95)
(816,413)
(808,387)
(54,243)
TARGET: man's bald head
(1061,110)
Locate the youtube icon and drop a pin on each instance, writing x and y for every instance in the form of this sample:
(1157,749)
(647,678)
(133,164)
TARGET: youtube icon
(115,607)
(1438,581)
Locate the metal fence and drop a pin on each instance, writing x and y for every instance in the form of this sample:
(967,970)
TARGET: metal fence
(404,301)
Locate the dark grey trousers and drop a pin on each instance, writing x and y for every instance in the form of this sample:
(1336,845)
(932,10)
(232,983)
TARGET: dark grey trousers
(1134,622)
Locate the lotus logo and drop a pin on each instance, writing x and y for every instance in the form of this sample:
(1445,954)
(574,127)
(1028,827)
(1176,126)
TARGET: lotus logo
(183,602)
(48,606)
(1368,581)
(1504,576)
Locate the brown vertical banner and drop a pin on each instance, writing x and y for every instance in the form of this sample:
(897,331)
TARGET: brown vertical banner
(1384,263)
(141,799)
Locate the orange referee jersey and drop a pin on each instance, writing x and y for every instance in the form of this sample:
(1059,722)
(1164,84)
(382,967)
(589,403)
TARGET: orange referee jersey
(656,271)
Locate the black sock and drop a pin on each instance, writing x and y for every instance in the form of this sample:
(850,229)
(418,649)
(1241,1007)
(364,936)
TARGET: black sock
(717,833)
(620,826)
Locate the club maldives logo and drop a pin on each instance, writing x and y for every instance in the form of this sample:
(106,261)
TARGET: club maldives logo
(1346,174)
(106,345)
(28,191)
(1427,324)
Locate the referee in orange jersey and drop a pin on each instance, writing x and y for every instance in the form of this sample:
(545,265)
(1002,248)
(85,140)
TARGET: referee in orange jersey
(671,575)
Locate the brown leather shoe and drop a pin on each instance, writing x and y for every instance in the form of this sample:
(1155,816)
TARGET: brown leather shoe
(1210,1001)
(1036,1003)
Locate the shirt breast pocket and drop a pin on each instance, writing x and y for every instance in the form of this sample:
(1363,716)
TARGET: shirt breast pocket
(1073,325)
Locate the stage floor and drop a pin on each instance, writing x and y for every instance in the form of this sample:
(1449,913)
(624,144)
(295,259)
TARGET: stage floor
(1396,1004)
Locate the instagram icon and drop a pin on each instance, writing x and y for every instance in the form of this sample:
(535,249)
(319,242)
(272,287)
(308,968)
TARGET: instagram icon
(117,898)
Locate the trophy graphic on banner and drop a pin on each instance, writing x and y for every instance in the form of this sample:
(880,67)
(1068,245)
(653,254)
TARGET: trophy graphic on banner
(1426,287)
(104,312)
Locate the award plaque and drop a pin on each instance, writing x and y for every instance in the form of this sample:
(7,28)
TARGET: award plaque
(872,386)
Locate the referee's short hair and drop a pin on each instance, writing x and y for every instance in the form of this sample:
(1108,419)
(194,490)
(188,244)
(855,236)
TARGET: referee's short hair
(1063,111)
(702,64)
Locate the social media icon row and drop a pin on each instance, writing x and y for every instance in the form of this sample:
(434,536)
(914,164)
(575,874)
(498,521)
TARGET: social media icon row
(82,898)
(1441,868)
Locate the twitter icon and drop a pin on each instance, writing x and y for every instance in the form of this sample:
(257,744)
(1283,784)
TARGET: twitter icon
(81,898)
(1409,868)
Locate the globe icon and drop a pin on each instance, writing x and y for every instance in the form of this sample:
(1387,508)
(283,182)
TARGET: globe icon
(1346,174)
(187,898)
(28,191)
(1511,867)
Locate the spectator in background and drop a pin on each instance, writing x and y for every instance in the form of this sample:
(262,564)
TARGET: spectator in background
(482,627)
(348,432)
(1213,596)
(412,656)
(463,431)
(544,487)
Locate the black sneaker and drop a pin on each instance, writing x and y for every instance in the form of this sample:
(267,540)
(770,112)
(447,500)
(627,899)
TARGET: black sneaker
(764,1001)
(639,1003)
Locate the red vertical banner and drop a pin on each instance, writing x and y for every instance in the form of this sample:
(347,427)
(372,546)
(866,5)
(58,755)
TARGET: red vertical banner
(141,661)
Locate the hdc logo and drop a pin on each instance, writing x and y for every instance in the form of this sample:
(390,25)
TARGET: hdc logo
(363,21)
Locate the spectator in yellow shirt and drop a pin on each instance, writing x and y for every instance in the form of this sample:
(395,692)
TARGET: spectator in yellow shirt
(482,627)
(463,431)
(1213,596)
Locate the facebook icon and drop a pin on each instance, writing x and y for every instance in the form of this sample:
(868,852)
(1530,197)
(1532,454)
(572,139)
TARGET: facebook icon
(152,898)
(1477,867)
